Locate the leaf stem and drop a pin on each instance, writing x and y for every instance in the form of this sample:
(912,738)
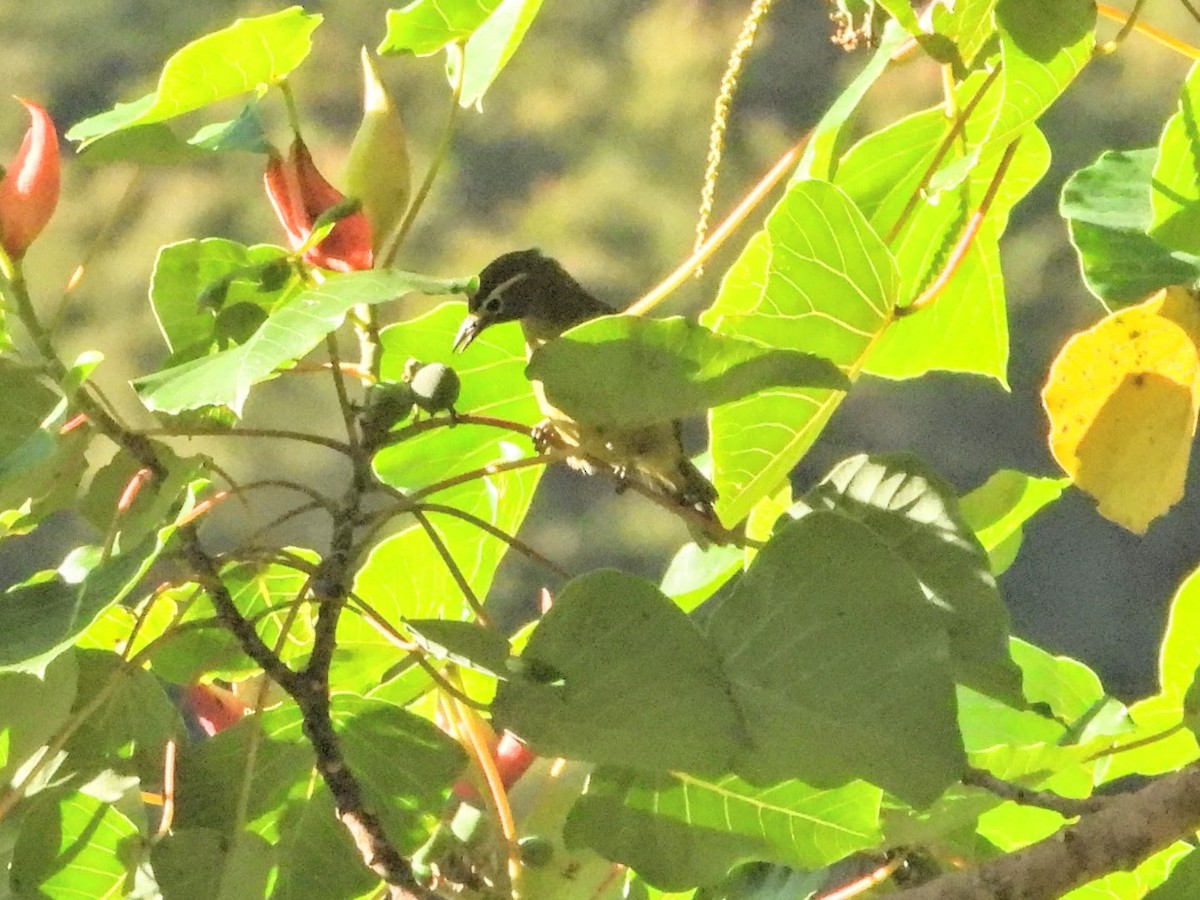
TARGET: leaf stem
(1164,38)
(960,122)
(455,572)
(498,533)
(1131,21)
(735,218)
(959,253)
(391,246)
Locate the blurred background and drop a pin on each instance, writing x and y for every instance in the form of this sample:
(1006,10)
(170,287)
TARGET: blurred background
(591,146)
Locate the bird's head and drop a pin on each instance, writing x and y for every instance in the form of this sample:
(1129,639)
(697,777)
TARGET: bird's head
(511,287)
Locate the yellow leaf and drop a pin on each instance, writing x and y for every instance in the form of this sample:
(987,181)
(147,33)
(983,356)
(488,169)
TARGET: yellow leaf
(1122,400)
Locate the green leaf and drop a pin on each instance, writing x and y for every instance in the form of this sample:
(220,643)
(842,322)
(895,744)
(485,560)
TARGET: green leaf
(202,864)
(128,732)
(1150,875)
(33,709)
(182,274)
(816,279)
(276,778)
(616,673)
(966,328)
(493,384)
(1183,882)
(466,643)
(820,157)
(969,24)
(142,145)
(263,593)
(405,765)
(491,46)
(1108,208)
(825,636)
(1176,183)
(597,372)
(249,55)
(694,575)
(40,469)
(424,27)
(404,576)
(998,509)
(287,335)
(42,616)
(78,845)
(317,858)
(1064,684)
(1163,713)
(676,830)
(1043,46)
(915,513)
(244,133)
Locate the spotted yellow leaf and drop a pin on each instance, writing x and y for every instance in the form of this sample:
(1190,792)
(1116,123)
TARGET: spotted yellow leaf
(1122,398)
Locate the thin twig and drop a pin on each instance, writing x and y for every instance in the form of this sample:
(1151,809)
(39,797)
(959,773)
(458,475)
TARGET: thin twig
(866,882)
(167,818)
(1139,743)
(281,433)
(1154,33)
(471,735)
(498,533)
(119,212)
(455,572)
(735,218)
(326,503)
(487,471)
(349,418)
(434,422)
(1130,24)
(1067,807)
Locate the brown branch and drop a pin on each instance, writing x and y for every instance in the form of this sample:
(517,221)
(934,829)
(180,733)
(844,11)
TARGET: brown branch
(1129,829)
(1067,807)
(308,688)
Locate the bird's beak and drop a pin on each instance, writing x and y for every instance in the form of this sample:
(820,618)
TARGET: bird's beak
(467,332)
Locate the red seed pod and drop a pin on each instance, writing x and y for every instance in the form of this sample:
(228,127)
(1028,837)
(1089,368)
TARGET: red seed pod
(30,187)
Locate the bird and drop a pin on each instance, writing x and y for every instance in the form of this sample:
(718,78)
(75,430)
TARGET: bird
(535,290)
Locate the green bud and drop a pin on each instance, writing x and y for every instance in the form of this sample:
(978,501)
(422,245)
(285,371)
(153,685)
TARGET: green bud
(436,387)
(377,171)
(388,404)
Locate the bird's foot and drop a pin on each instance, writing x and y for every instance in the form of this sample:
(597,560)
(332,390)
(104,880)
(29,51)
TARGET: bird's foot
(545,437)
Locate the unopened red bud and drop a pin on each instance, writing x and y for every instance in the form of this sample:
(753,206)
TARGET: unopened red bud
(29,189)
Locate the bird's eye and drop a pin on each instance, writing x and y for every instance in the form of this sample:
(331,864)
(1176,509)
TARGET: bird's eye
(493,304)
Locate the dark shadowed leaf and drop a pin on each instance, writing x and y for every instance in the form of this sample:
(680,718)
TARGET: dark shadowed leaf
(623,371)
(616,673)
(827,635)
(916,514)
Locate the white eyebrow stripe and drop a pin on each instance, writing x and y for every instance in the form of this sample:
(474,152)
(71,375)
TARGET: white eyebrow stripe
(503,286)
